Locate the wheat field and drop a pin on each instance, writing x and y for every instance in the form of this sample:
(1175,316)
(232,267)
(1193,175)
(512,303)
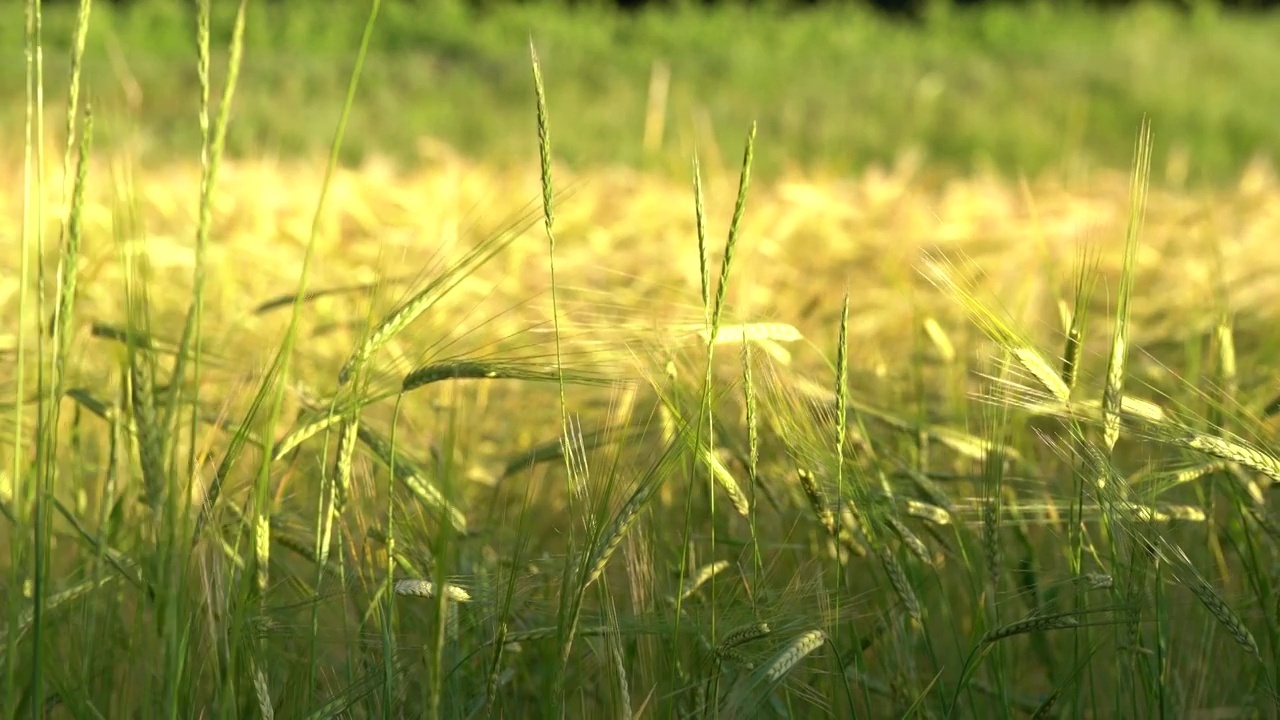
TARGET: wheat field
(544,443)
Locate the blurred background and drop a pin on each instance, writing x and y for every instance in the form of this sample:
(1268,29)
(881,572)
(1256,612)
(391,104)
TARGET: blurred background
(1016,89)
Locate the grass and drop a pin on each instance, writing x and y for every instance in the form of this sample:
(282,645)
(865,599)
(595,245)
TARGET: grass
(298,441)
(1027,90)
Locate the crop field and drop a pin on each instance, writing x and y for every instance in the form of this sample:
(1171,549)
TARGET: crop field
(285,436)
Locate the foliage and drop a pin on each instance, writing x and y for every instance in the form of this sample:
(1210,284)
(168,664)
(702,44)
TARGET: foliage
(1035,90)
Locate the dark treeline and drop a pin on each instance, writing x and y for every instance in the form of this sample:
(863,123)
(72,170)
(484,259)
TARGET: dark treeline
(906,8)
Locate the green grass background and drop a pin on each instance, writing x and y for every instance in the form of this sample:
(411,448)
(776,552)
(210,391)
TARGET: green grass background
(1018,90)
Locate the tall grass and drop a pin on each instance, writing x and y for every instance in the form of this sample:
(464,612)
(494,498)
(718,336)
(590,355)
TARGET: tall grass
(513,492)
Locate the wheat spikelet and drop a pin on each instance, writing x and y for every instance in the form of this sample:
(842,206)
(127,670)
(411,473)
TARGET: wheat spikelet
(817,501)
(851,533)
(454,370)
(1218,608)
(1097,581)
(402,317)
(743,635)
(932,490)
(753,332)
(775,350)
(753,425)
(800,648)
(1234,451)
(302,433)
(150,442)
(347,436)
(991,541)
(901,587)
(1188,475)
(913,543)
(414,479)
(1132,408)
(300,547)
(52,601)
(738,657)
(942,343)
(1113,391)
(1034,623)
(1071,355)
(262,690)
(262,549)
(1167,513)
(969,446)
(414,587)
(1184,513)
(699,578)
(929,513)
(621,526)
(1227,369)
(1041,370)
(1143,409)
(725,480)
(620,669)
